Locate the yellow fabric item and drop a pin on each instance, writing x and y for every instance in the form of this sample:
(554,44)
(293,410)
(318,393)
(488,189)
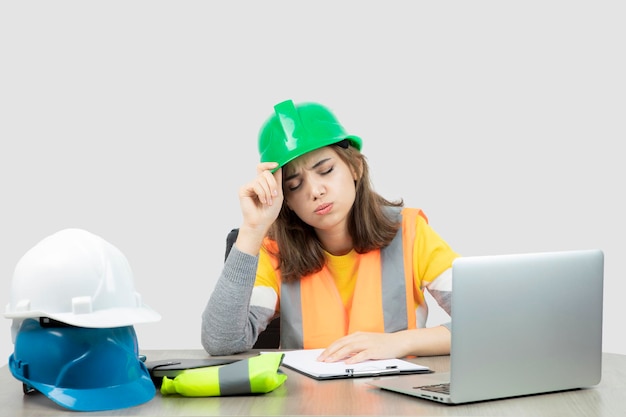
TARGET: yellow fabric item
(255,375)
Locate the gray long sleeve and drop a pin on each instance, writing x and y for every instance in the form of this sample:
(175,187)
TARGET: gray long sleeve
(229,324)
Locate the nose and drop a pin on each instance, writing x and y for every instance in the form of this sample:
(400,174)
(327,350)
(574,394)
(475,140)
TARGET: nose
(317,190)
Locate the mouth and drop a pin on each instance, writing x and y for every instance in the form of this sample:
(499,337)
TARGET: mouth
(324,208)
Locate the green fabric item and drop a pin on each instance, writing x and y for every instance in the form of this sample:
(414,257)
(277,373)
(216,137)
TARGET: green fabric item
(256,375)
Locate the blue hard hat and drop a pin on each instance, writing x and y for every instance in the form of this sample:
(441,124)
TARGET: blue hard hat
(82,369)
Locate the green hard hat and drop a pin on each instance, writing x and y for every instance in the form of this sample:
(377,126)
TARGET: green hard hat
(294,130)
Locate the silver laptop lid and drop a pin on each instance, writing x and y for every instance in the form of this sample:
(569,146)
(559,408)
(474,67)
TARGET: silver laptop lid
(525,324)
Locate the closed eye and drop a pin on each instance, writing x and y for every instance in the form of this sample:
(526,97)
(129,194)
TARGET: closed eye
(293,187)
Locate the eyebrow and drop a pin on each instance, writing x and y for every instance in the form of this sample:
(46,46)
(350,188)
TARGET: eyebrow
(318,163)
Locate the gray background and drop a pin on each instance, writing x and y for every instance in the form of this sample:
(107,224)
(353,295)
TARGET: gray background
(138,121)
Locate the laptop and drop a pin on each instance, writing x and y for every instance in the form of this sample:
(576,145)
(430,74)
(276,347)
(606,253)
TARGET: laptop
(522,324)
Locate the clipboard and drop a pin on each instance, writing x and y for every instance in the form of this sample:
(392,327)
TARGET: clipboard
(305,362)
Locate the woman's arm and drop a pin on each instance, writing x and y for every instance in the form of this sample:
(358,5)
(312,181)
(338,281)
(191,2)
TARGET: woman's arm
(361,346)
(229,324)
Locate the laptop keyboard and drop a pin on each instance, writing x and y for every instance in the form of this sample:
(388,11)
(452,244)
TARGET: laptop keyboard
(438,388)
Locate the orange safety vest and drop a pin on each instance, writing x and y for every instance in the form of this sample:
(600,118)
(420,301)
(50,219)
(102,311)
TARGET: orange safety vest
(313,314)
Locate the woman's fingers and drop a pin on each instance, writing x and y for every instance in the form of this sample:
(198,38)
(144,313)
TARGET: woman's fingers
(266,186)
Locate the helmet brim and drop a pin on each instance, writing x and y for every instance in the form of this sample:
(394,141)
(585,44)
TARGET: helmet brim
(125,395)
(354,141)
(112,317)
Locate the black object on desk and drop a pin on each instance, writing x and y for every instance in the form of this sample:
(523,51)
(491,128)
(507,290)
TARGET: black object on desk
(172,367)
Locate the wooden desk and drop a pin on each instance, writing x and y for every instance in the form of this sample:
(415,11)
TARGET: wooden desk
(301,395)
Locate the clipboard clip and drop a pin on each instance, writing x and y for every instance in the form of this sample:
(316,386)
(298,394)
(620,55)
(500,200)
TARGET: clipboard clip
(373,371)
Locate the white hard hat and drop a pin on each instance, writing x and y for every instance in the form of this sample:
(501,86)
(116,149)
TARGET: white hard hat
(77,278)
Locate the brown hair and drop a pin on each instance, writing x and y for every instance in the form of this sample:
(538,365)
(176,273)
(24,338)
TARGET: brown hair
(300,253)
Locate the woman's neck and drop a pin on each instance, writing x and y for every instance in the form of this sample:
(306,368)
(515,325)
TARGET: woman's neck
(337,243)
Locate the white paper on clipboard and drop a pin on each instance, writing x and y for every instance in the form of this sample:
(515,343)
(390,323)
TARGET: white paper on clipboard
(305,361)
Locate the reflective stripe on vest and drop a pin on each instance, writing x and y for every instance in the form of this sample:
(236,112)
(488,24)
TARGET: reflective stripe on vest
(382,302)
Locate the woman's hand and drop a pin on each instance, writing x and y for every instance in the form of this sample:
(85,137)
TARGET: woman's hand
(261,200)
(362,346)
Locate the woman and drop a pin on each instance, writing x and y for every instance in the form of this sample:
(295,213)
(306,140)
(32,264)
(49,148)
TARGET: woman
(344,268)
